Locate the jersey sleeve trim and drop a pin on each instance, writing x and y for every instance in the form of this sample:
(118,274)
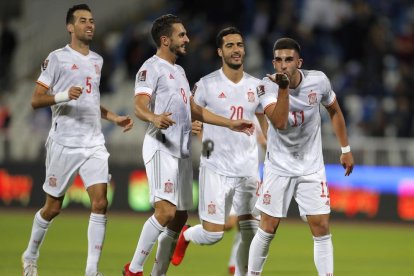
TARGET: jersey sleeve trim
(331,103)
(143,94)
(43,84)
(144,90)
(267,106)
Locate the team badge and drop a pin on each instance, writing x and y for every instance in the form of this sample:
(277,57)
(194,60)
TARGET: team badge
(211,209)
(168,187)
(250,97)
(313,99)
(53,181)
(142,75)
(266,199)
(44,64)
(194,90)
(260,90)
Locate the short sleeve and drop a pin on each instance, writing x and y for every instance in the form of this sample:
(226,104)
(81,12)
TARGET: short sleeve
(198,93)
(49,71)
(328,95)
(266,91)
(146,80)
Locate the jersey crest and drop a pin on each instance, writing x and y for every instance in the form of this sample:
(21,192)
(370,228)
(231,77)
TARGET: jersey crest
(250,97)
(312,97)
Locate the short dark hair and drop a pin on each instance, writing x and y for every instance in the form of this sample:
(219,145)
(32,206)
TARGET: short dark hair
(69,15)
(162,26)
(224,32)
(286,43)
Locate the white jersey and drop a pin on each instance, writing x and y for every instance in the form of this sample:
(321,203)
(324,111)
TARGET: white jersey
(76,123)
(297,150)
(168,88)
(225,151)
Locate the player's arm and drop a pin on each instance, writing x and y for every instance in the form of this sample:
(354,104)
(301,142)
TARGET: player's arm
(161,121)
(40,98)
(123,121)
(200,113)
(261,118)
(278,113)
(339,127)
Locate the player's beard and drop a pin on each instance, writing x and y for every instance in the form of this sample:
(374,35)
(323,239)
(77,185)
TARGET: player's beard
(232,65)
(176,49)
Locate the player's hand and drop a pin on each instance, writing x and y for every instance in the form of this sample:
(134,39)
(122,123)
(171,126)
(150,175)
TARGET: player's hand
(280,79)
(196,127)
(125,122)
(242,126)
(162,121)
(347,161)
(75,92)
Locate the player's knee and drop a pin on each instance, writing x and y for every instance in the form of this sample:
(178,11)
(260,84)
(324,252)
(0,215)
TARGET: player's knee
(99,206)
(212,237)
(50,212)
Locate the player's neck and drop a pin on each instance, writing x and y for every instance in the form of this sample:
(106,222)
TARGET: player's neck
(80,47)
(167,56)
(234,75)
(296,80)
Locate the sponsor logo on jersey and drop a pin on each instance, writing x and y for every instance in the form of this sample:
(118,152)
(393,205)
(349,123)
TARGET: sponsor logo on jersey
(194,90)
(168,187)
(52,181)
(142,75)
(313,98)
(260,90)
(250,97)
(74,67)
(211,209)
(44,64)
(266,199)
(222,95)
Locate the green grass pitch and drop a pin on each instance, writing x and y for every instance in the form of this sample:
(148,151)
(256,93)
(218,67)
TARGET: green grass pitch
(360,248)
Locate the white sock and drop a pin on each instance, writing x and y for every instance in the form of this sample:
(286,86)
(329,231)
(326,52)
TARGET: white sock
(166,245)
(323,255)
(200,236)
(149,235)
(96,237)
(248,229)
(234,249)
(39,229)
(259,249)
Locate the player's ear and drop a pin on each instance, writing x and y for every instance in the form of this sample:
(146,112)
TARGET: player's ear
(300,62)
(165,41)
(220,52)
(70,28)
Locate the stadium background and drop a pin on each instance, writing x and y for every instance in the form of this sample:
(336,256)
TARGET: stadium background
(365,47)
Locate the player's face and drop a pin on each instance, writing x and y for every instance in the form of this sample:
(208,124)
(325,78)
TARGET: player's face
(287,61)
(232,52)
(179,40)
(84,26)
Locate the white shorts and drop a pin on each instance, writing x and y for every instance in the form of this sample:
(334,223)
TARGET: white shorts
(310,192)
(63,163)
(171,179)
(219,193)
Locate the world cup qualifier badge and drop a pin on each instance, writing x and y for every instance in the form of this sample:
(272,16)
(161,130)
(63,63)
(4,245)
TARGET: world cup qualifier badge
(260,90)
(44,64)
(142,75)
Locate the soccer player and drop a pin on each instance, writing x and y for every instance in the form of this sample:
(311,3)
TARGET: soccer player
(163,98)
(294,164)
(69,84)
(229,174)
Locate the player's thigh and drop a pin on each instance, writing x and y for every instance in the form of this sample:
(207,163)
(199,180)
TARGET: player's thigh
(312,194)
(215,196)
(246,195)
(162,173)
(95,169)
(277,192)
(61,164)
(185,184)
